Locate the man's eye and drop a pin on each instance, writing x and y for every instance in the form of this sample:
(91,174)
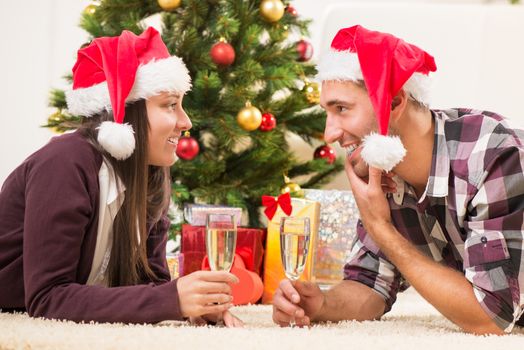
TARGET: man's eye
(341,109)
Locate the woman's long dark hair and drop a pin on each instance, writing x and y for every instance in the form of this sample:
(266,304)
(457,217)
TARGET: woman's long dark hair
(146,198)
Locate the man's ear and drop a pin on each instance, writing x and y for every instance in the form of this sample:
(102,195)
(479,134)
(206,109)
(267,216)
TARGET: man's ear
(398,104)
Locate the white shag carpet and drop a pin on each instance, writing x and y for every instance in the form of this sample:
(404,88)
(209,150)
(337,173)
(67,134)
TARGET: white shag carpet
(412,324)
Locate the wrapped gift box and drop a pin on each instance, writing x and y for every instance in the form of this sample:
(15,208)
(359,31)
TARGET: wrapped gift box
(273,270)
(195,214)
(175,263)
(250,246)
(338,222)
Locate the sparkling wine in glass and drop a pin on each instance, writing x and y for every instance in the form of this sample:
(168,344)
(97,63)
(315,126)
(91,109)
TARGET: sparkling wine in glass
(221,241)
(294,246)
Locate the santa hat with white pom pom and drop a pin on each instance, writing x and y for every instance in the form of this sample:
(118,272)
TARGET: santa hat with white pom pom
(113,71)
(386,64)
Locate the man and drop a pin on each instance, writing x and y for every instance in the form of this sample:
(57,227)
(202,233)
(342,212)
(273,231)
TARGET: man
(451,223)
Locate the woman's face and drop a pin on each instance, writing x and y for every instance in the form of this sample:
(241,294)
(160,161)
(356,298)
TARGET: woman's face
(167,119)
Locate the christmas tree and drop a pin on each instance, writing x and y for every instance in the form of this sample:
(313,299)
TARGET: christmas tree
(251,88)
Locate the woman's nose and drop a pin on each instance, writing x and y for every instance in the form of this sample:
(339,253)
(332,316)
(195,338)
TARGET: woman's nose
(184,123)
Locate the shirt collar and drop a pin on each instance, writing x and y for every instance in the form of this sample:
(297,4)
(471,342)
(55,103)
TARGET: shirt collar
(437,185)
(108,180)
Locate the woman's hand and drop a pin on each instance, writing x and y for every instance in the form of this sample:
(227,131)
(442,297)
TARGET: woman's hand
(230,320)
(205,292)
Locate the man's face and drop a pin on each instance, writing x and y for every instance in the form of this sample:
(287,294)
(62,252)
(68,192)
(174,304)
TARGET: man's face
(350,117)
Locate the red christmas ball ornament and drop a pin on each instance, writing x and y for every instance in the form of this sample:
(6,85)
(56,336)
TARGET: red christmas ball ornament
(187,148)
(268,122)
(305,50)
(291,10)
(222,53)
(326,152)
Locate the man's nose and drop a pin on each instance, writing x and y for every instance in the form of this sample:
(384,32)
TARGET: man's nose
(332,132)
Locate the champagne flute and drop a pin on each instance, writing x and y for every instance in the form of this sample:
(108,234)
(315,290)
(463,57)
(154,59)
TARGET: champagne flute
(294,246)
(221,241)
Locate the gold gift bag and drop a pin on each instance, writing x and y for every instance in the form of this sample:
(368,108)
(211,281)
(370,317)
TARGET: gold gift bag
(273,270)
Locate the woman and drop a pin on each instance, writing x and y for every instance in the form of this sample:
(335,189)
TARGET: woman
(83,223)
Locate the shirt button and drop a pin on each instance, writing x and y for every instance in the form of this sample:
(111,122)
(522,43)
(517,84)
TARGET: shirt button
(483,239)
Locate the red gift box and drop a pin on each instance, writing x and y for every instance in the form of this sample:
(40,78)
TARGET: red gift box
(250,246)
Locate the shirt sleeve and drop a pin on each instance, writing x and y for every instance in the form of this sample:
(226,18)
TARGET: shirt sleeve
(493,248)
(369,266)
(61,195)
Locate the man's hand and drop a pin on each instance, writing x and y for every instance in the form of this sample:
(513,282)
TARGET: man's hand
(303,300)
(205,292)
(370,196)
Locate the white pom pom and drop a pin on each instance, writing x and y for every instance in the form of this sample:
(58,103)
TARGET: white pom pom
(117,139)
(383,152)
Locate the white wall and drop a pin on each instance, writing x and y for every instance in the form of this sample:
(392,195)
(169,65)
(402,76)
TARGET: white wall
(39,43)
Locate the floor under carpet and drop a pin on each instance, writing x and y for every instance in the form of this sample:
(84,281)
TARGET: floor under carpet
(412,324)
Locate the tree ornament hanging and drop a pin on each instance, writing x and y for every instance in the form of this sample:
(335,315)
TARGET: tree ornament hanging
(325,152)
(187,148)
(285,32)
(91,9)
(291,10)
(292,188)
(272,10)
(222,53)
(305,50)
(169,5)
(249,118)
(268,122)
(312,92)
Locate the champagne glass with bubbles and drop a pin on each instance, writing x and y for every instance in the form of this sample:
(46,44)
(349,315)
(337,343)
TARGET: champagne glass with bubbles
(294,246)
(221,241)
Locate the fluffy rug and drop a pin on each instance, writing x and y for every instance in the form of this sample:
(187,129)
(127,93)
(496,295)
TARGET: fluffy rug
(412,324)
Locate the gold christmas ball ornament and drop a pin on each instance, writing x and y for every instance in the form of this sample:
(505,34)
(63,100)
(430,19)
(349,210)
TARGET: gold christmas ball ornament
(169,5)
(312,92)
(272,10)
(292,188)
(249,118)
(90,9)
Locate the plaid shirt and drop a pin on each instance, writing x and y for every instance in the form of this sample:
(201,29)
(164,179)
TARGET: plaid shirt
(470,217)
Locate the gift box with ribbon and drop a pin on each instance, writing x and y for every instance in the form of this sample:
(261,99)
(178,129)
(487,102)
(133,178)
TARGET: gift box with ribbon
(250,247)
(276,208)
(337,229)
(195,214)
(175,264)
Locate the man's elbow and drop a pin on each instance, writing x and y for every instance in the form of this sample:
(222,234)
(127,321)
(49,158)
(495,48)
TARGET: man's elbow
(489,328)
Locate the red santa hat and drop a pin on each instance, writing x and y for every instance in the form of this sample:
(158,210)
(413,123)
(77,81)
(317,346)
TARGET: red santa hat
(386,64)
(113,71)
